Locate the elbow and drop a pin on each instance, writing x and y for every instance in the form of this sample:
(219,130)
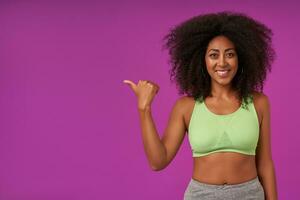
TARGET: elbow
(158,164)
(157,167)
(153,168)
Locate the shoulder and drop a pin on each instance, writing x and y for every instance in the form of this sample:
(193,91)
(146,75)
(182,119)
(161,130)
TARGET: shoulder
(261,99)
(184,105)
(185,102)
(261,103)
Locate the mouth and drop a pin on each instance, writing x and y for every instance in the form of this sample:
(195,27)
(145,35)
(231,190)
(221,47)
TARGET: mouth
(223,73)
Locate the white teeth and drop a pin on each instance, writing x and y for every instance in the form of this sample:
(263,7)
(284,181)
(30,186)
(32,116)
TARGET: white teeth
(222,72)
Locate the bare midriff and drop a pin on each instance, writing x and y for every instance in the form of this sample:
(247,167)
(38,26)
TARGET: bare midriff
(224,168)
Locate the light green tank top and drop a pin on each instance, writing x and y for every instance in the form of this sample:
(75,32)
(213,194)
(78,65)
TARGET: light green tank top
(234,132)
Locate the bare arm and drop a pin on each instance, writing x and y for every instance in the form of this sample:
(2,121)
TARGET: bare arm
(154,148)
(264,161)
(160,152)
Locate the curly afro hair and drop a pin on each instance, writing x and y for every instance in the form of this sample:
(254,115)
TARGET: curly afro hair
(188,41)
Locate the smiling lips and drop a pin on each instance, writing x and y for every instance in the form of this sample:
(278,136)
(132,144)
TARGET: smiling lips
(222,73)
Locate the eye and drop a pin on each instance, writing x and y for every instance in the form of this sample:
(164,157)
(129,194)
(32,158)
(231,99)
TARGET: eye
(230,55)
(213,55)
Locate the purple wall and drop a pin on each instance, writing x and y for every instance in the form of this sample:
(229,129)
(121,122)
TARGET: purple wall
(69,126)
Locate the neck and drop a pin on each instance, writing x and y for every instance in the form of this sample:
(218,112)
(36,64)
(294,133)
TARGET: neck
(222,91)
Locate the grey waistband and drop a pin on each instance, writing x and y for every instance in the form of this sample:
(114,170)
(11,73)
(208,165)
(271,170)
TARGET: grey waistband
(213,186)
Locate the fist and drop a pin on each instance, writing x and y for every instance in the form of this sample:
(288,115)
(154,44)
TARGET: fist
(145,92)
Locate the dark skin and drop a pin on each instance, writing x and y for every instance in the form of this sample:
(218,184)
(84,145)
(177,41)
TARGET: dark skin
(225,167)
(219,167)
(228,167)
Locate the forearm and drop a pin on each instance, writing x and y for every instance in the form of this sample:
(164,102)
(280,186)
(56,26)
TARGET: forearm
(267,176)
(153,146)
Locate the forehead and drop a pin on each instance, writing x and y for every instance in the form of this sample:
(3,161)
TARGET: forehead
(220,42)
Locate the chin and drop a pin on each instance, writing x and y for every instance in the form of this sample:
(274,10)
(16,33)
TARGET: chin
(226,81)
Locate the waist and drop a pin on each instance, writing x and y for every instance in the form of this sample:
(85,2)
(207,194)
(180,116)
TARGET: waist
(224,168)
(245,183)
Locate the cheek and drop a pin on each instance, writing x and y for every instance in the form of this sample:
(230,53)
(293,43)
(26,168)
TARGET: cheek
(209,63)
(233,62)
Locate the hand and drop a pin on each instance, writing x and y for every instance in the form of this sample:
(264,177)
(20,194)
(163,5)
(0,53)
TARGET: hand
(145,91)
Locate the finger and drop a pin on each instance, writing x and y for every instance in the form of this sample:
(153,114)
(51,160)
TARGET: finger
(130,83)
(144,81)
(157,89)
(149,84)
(152,84)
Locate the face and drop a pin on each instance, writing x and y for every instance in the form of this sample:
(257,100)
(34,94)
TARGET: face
(221,60)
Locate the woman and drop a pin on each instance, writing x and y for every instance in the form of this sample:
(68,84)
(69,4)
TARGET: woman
(220,61)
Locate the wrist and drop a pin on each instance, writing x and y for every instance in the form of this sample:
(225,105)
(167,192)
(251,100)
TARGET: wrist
(144,109)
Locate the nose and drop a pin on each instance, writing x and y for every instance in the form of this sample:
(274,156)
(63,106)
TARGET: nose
(222,61)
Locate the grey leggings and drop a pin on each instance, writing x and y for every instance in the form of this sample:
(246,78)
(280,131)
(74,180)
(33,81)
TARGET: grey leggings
(249,190)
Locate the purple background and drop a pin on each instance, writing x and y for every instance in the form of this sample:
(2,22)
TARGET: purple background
(69,126)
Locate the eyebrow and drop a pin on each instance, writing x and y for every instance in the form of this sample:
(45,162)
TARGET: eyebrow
(218,49)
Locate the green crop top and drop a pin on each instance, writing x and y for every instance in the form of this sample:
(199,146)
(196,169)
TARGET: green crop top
(234,132)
